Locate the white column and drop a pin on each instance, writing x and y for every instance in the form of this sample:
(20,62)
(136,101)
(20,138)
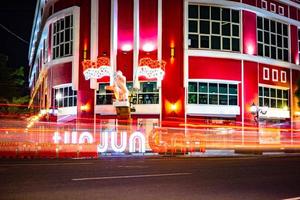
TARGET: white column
(113,37)
(136,42)
(94,37)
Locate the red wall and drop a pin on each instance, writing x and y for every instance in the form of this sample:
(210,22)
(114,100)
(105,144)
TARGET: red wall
(60,74)
(249,33)
(172,35)
(62,4)
(250,88)
(294,45)
(85,95)
(214,68)
(104,31)
(148,26)
(270,81)
(104,27)
(125,37)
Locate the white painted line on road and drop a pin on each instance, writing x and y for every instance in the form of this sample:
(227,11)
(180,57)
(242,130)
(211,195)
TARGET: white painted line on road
(132,166)
(293,198)
(44,164)
(131,176)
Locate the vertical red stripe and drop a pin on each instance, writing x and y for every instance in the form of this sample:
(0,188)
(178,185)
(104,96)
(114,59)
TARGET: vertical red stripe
(294,45)
(148,17)
(125,38)
(172,35)
(249,33)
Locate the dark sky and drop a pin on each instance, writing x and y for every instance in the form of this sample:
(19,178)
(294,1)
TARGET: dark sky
(17,16)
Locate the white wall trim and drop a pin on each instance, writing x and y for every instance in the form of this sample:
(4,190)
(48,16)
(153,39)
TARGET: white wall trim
(62,85)
(113,36)
(159,30)
(239,56)
(136,38)
(258,11)
(214,81)
(76,49)
(266,73)
(212,110)
(272,86)
(275,113)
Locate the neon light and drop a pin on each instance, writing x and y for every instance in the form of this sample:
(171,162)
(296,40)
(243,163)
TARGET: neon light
(102,148)
(136,141)
(151,69)
(115,146)
(96,69)
(132,144)
(85,136)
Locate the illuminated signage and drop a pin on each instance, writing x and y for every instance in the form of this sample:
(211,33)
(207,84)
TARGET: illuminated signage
(96,69)
(151,69)
(135,143)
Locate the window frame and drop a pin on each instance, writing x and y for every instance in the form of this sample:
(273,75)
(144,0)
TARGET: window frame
(212,94)
(58,44)
(199,37)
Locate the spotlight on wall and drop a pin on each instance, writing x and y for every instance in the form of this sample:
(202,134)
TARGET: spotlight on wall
(148,47)
(126,47)
(172,53)
(84,54)
(85,108)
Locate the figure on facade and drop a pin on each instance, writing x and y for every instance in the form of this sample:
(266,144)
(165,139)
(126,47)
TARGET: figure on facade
(120,89)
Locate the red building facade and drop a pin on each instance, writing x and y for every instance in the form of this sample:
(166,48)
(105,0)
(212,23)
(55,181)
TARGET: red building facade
(220,58)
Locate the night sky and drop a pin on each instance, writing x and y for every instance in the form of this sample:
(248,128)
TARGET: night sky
(17,16)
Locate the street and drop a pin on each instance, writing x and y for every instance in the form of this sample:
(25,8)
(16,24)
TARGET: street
(254,177)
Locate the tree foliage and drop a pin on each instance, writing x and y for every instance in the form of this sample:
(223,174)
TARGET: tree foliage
(13,91)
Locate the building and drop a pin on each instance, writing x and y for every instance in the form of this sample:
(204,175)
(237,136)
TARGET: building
(218,57)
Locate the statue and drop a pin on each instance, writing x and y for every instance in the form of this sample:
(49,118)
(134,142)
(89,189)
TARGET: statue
(120,89)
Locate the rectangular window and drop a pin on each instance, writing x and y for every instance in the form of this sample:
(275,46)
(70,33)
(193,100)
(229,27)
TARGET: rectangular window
(264,4)
(273,7)
(272,39)
(147,94)
(273,97)
(103,96)
(63,37)
(65,97)
(274,75)
(266,73)
(281,10)
(214,28)
(212,93)
(283,76)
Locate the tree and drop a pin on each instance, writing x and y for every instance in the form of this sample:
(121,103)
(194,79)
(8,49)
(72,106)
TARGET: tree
(13,90)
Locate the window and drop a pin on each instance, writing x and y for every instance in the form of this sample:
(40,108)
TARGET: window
(212,93)
(266,75)
(273,7)
(264,5)
(147,94)
(65,97)
(45,51)
(104,97)
(283,76)
(274,75)
(281,10)
(63,37)
(213,28)
(272,39)
(273,97)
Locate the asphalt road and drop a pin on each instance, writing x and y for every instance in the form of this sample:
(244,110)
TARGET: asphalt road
(152,178)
